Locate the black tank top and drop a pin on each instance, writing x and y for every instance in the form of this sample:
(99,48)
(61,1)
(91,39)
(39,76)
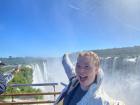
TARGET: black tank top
(74,96)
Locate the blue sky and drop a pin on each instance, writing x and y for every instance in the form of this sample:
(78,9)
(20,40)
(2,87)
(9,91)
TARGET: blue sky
(53,27)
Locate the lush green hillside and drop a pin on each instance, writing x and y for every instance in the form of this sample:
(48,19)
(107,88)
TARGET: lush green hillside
(21,60)
(113,52)
(24,76)
(127,51)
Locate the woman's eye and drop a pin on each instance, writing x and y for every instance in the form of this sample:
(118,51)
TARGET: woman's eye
(86,66)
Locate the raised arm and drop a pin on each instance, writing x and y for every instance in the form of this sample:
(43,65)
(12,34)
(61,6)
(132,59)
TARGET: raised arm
(9,76)
(2,84)
(68,66)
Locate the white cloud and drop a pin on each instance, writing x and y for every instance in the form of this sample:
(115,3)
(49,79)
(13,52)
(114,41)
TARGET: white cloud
(74,7)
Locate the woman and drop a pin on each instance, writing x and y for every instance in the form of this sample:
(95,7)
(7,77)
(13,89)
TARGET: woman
(85,87)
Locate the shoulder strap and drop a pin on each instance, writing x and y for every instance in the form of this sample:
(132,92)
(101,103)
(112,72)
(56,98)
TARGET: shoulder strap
(73,83)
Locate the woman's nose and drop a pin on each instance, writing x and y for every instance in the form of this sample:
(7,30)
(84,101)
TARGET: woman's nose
(81,70)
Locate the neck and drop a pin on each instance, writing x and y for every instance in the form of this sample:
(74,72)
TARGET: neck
(84,88)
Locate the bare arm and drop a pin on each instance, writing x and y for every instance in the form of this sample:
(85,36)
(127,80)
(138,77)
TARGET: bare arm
(68,66)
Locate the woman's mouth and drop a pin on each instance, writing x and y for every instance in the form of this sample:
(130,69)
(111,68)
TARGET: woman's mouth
(83,78)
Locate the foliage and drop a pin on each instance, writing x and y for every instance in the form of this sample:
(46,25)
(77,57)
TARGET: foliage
(23,77)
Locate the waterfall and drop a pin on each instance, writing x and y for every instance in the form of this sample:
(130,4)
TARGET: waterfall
(48,72)
(40,74)
(138,64)
(121,80)
(45,76)
(124,80)
(114,64)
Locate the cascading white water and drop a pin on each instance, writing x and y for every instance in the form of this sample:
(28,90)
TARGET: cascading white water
(40,75)
(121,80)
(124,80)
(138,64)
(45,76)
(114,64)
(49,72)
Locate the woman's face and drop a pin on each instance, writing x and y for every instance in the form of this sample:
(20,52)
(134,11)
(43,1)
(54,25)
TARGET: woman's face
(86,71)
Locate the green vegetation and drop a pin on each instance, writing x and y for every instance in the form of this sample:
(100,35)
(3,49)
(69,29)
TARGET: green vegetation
(21,60)
(114,52)
(25,74)
(5,69)
(23,77)
(120,52)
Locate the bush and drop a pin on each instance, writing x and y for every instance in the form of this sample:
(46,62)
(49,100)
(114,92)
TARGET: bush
(23,77)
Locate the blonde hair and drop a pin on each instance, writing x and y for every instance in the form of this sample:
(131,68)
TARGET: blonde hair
(91,54)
